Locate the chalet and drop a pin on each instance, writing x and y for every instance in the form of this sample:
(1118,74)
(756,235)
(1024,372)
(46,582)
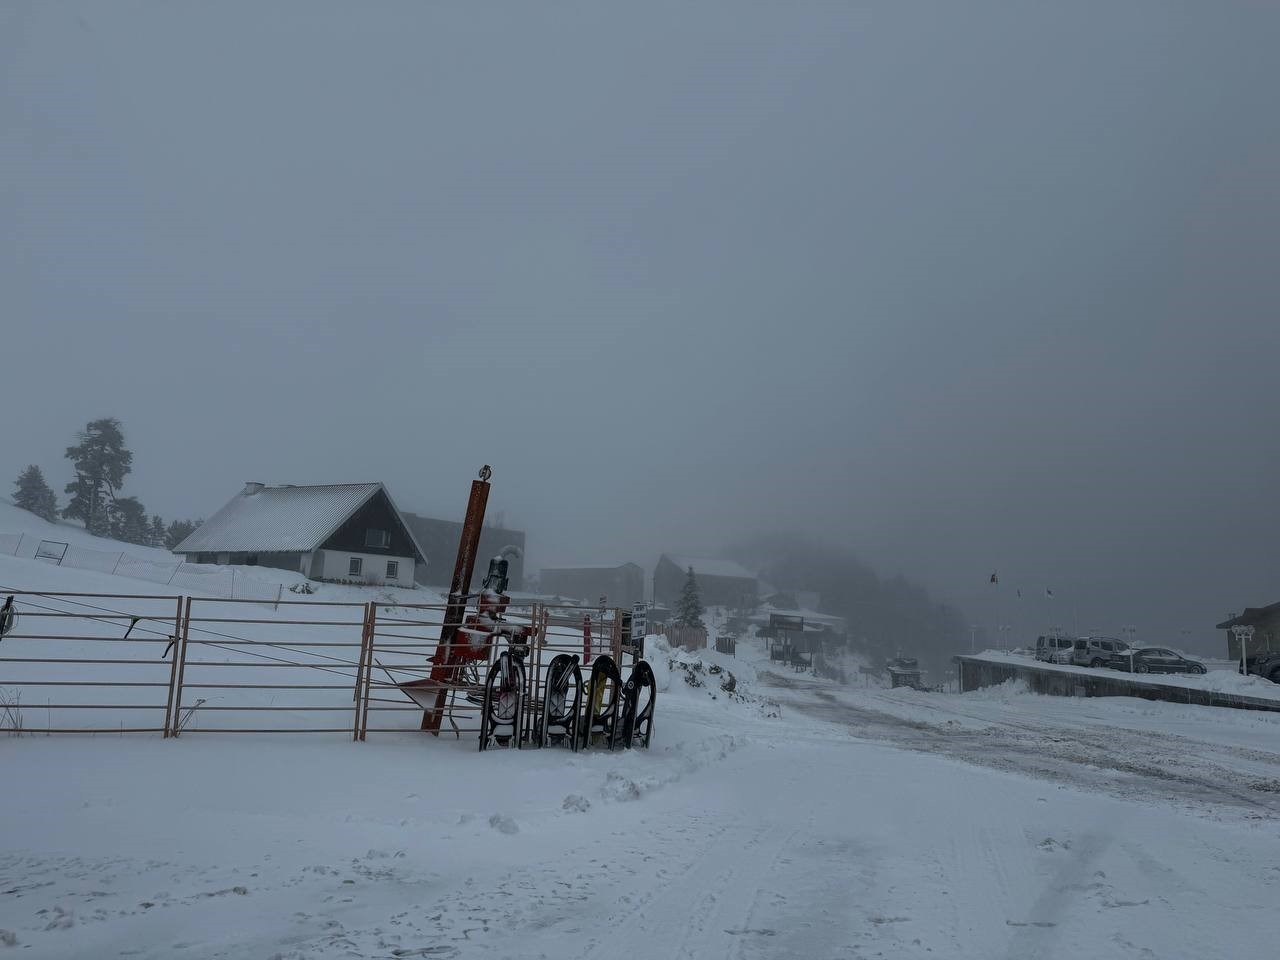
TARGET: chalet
(336,531)
(721,583)
(622,584)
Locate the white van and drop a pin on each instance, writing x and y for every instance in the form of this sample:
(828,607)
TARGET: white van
(1054,649)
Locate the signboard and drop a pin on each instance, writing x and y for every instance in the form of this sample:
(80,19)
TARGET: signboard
(51,550)
(779,621)
(639,626)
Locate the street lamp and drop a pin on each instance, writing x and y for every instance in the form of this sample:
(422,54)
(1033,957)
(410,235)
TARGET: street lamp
(1130,632)
(1243,636)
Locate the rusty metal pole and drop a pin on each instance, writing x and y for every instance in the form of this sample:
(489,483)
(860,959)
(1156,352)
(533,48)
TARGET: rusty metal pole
(464,566)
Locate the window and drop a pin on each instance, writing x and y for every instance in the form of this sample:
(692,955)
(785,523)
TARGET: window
(393,569)
(376,538)
(355,567)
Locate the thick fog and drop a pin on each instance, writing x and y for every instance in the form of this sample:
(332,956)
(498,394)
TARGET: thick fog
(965,287)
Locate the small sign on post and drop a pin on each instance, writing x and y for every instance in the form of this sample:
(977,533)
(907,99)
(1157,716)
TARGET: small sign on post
(780,621)
(639,626)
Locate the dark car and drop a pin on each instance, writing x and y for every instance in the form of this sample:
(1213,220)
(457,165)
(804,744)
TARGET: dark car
(1155,660)
(1267,665)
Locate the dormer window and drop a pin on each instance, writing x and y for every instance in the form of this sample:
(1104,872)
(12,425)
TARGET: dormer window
(377,538)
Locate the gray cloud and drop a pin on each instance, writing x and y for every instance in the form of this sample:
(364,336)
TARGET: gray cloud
(965,286)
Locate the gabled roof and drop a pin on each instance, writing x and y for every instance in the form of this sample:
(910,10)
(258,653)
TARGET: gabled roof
(1251,616)
(593,566)
(284,519)
(706,567)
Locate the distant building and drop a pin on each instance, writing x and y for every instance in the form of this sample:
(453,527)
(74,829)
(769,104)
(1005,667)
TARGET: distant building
(336,531)
(721,583)
(439,538)
(1266,631)
(623,584)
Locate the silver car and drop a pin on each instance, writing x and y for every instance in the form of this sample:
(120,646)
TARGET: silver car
(1097,651)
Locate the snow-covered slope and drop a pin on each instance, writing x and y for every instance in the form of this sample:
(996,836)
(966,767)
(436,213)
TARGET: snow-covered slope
(138,569)
(21,532)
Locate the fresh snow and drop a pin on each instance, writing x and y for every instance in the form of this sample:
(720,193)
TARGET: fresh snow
(798,819)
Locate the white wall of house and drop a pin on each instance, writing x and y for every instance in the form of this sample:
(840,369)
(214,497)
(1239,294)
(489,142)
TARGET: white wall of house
(336,565)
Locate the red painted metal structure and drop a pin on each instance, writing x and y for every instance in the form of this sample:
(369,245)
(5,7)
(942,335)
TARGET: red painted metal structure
(452,657)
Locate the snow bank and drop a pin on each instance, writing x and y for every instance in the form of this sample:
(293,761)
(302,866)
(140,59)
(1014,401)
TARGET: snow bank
(1218,681)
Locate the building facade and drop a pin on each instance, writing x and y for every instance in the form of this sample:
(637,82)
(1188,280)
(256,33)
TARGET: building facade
(721,583)
(439,539)
(349,532)
(622,585)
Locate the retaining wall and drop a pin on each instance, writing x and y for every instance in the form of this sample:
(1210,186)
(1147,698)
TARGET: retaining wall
(977,672)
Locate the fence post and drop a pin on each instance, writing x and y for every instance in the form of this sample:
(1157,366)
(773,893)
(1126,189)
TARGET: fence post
(117,566)
(180,654)
(360,669)
(175,572)
(169,721)
(368,669)
(279,592)
(19,546)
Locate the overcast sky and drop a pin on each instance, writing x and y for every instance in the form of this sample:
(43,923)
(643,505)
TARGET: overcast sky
(969,286)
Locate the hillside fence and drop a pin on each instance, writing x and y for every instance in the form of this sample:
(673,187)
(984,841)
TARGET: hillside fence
(182,576)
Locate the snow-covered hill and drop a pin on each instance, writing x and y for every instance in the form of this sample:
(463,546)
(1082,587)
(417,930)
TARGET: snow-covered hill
(131,565)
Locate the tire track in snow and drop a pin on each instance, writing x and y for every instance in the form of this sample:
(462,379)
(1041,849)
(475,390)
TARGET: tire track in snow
(1117,760)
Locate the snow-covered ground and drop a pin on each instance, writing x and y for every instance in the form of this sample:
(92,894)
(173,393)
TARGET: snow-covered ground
(803,819)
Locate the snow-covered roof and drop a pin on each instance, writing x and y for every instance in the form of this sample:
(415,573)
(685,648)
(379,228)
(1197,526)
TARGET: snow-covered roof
(708,567)
(284,519)
(588,566)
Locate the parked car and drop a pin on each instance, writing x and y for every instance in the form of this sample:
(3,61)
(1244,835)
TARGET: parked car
(1155,660)
(1097,651)
(1267,665)
(1054,649)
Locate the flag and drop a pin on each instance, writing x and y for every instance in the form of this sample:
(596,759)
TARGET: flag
(994,578)
(1048,592)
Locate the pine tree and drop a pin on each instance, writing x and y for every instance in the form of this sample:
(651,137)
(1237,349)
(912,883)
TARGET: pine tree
(102,462)
(689,607)
(35,494)
(127,521)
(157,537)
(179,530)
